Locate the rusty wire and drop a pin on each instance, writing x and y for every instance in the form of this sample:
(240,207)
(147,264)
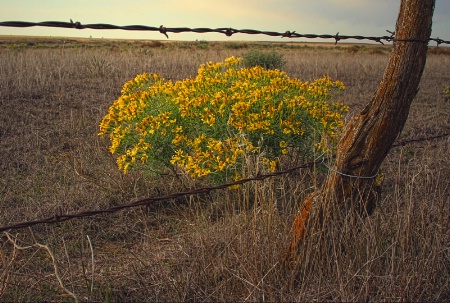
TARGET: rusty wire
(405,142)
(227,31)
(145,202)
(57,218)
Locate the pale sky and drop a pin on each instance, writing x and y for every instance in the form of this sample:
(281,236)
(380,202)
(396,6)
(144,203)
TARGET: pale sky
(348,17)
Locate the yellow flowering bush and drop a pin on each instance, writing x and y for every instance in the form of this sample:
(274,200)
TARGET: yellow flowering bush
(208,124)
(447,91)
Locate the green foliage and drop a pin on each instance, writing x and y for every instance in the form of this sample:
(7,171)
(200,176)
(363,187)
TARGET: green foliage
(202,44)
(208,126)
(267,60)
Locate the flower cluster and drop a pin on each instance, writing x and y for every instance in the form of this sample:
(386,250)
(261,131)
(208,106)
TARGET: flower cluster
(208,124)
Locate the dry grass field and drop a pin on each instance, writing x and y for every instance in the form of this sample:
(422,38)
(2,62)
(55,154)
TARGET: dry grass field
(221,246)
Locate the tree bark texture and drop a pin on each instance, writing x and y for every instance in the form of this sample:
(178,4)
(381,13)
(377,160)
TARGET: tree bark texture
(370,134)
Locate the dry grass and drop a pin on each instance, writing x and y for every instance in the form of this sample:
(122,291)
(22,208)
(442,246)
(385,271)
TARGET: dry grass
(224,246)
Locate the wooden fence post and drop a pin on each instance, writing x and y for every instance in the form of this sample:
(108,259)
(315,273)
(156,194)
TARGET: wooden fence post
(367,138)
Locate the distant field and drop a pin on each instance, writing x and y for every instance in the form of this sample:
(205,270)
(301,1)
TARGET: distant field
(71,41)
(220,246)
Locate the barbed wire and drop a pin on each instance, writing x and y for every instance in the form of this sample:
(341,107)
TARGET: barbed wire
(57,218)
(144,202)
(226,31)
(405,142)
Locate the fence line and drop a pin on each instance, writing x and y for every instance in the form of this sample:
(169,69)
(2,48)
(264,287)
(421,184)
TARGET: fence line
(144,202)
(57,218)
(405,142)
(226,31)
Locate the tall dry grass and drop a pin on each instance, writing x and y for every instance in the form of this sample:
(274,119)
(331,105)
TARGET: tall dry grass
(224,246)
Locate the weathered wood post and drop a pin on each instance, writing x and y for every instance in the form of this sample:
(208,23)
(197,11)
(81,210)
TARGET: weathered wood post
(367,138)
